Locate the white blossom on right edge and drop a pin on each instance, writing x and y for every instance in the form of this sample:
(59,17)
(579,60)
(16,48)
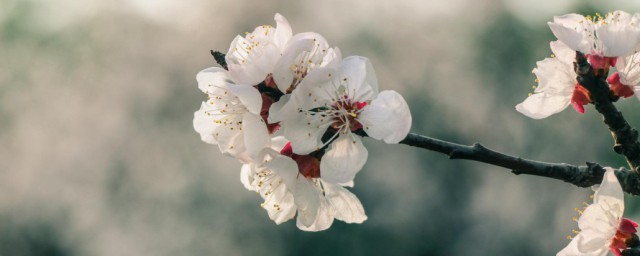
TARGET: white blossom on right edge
(557,88)
(346,100)
(602,226)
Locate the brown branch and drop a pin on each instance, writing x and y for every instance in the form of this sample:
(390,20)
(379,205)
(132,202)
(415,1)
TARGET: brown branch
(625,137)
(581,176)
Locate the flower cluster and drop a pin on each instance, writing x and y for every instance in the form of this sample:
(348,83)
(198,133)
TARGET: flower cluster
(602,227)
(292,110)
(610,41)
(607,41)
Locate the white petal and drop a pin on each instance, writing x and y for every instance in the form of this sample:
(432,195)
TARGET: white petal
(584,245)
(563,52)
(285,168)
(387,117)
(246,177)
(283,31)
(279,203)
(314,213)
(204,125)
(555,77)
(307,198)
(230,140)
(570,29)
(629,69)
(278,143)
(280,109)
(619,34)
(249,96)
(349,184)
(332,59)
(361,78)
(213,79)
(256,135)
(345,157)
(282,74)
(345,205)
(542,105)
(305,133)
(611,191)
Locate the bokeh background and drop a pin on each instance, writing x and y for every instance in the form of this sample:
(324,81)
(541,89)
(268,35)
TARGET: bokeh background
(98,155)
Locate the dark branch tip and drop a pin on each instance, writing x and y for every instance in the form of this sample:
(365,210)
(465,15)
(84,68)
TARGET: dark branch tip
(220,59)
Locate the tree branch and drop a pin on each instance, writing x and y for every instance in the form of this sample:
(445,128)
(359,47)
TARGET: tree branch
(625,137)
(581,176)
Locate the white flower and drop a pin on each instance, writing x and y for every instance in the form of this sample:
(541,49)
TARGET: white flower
(626,81)
(231,115)
(251,58)
(303,53)
(346,100)
(602,227)
(616,34)
(557,86)
(280,181)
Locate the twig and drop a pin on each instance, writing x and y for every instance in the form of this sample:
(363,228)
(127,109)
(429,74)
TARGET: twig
(220,59)
(625,137)
(581,176)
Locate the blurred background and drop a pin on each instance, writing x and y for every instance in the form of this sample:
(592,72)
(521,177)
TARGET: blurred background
(98,155)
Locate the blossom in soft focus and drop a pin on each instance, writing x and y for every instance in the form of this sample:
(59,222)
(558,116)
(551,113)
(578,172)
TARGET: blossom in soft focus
(613,35)
(285,185)
(557,86)
(230,117)
(602,226)
(252,57)
(329,105)
(626,81)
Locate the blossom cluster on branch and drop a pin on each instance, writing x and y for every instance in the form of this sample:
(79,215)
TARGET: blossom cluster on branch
(610,41)
(292,111)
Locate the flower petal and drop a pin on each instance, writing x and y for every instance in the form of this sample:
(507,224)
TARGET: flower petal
(256,135)
(344,204)
(563,52)
(283,73)
(542,105)
(249,96)
(584,244)
(213,79)
(573,30)
(305,133)
(611,191)
(314,213)
(285,168)
(345,157)
(204,125)
(360,77)
(283,31)
(246,177)
(387,117)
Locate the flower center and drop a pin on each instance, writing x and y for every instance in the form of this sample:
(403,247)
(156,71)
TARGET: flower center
(346,114)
